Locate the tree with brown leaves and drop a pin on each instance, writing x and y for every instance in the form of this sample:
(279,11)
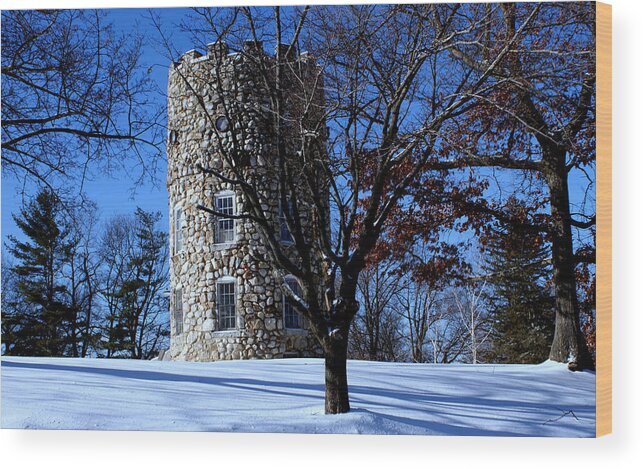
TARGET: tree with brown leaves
(390,89)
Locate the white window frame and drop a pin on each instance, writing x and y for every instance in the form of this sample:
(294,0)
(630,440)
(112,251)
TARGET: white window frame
(227,281)
(218,220)
(178,311)
(288,309)
(178,229)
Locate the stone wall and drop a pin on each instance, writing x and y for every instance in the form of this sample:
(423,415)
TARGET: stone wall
(193,107)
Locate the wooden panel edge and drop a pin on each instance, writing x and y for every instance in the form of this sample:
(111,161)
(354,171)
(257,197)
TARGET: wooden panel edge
(604,219)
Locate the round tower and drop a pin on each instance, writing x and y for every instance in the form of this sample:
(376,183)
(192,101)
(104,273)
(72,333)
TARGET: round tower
(226,302)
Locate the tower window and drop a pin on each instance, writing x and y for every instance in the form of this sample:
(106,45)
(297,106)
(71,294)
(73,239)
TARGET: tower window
(292,318)
(173,137)
(287,120)
(222,124)
(226,305)
(284,232)
(224,204)
(178,311)
(178,230)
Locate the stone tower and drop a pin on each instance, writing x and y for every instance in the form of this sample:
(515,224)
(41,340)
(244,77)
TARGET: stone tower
(226,302)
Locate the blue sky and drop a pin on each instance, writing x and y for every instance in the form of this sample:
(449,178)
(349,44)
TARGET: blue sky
(119,193)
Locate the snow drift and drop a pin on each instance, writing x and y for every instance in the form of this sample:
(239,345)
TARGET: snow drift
(288,396)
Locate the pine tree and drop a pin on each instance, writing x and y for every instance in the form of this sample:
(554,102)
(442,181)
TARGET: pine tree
(521,301)
(39,318)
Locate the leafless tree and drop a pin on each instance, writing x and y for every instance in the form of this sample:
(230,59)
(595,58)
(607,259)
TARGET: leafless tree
(416,305)
(81,275)
(447,338)
(116,242)
(74,96)
(390,90)
(377,332)
(433,330)
(473,316)
(133,280)
(12,307)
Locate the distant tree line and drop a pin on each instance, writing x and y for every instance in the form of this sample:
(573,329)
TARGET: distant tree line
(77,98)
(499,308)
(73,289)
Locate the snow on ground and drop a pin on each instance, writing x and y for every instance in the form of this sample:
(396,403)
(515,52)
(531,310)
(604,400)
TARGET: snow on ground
(288,396)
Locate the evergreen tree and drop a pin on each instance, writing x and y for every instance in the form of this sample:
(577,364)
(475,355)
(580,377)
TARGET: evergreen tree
(39,317)
(521,301)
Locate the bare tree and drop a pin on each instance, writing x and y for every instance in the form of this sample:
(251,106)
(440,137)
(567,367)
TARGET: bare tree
(447,335)
(116,243)
(13,308)
(81,274)
(435,332)
(376,332)
(73,95)
(134,278)
(415,304)
(473,316)
(390,90)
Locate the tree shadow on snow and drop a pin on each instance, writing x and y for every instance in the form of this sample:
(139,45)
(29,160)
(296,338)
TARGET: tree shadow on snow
(144,375)
(452,411)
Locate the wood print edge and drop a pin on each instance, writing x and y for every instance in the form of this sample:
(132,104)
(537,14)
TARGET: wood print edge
(604,219)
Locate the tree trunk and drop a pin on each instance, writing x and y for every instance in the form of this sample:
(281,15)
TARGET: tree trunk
(336,354)
(569,344)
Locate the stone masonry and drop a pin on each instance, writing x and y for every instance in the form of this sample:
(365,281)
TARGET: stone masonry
(226,301)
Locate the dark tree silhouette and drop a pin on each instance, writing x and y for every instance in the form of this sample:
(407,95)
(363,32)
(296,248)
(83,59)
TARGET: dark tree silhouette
(37,322)
(518,270)
(74,96)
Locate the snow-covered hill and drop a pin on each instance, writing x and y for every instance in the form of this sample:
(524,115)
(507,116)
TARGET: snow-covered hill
(287,396)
